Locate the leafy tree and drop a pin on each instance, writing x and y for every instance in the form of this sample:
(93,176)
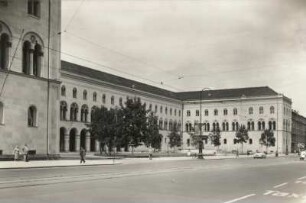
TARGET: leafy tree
(175,138)
(105,126)
(242,136)
(267,139)
(216,137)
(152,137)
(134,122)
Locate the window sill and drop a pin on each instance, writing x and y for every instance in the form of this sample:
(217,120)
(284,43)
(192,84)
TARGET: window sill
(32,126)
(33,16)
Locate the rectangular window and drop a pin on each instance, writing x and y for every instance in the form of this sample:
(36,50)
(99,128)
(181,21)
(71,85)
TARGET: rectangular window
(34,7)
(197,113)
(188,113)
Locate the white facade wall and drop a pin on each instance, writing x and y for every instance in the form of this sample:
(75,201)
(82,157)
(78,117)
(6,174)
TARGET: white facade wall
(243,117)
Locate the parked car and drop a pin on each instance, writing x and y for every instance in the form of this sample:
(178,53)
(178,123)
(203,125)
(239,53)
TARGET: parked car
(260,155)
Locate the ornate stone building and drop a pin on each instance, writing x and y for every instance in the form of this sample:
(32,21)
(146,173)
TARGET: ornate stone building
(46,103)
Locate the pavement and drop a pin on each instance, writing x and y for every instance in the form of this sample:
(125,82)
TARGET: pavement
(90,162)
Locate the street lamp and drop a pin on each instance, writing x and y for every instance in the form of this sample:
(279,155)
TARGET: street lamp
(201,144)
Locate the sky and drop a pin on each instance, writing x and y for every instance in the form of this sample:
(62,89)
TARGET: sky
(188,45)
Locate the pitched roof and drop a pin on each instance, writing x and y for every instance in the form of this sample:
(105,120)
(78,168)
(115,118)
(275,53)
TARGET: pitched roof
(191,95)
(227,93)
(116,80)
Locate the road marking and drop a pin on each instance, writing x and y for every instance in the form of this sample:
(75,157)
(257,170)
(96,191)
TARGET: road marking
(240,198)
(280,185)
(301,178)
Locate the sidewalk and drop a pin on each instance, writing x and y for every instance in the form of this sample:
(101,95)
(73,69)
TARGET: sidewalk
(76,163)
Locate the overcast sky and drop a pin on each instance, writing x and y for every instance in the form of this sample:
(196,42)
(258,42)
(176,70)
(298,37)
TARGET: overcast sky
(192,44)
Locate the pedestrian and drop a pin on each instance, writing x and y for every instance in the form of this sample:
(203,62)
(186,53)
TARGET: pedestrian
(16,153)
(150,153)
(237,153)
(25,153)
(82,155)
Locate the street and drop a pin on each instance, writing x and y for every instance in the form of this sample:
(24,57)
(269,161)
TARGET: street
(223,181)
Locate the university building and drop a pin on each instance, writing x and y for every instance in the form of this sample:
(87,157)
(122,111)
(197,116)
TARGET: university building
(46,103)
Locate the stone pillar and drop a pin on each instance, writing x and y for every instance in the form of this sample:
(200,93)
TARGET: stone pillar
(31,61)
(77,143)
(97,146)
(87,141)
(66,142)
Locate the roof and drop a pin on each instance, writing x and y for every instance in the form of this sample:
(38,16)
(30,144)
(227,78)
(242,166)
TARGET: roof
(227,93)
(116,80)
(191,95)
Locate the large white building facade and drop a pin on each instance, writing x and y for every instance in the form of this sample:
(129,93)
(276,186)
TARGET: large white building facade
(46,103)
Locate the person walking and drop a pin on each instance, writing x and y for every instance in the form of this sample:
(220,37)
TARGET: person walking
(25,153)
(150,153)
(82,155)
(16,153)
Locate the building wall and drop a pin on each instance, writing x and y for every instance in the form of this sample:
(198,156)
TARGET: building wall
(70,82)
(20,91)
(242,117)
(298,131)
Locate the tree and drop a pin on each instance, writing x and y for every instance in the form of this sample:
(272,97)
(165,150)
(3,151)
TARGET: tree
(152,137)
(134,122)
(267,139)
(216,137)
(175,138)
(105,126)
(242,136)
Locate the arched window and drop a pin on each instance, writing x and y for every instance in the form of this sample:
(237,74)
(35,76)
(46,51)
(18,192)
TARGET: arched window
(150,107)
(270,125)
(235,111)
(170,125)
(166,110)
(252,125)
(188,113)
(233,126)
(216,112)
(74,112)
(263,125)
(103,98)
(206,112)
(74,93)
(93,109)
(249,125)
(251,110)
(261,110)
(188,142)
(170,111)
(274,125)
(225,141)
(37,55)
(112,100)
(161,109)
(32,53)
(121,102)
(161,124)
(63,91)
(94,97)
(227,126)
(174,112)
(84,113)
(223,126)
(179,112)
(26,57)
(156,108)
(4,50)
(166,125)
(1,113)
(250,141)
(32,116)
(63,110)
(225,112)
(84,95)
(272,110)
(34,7)
(259,125)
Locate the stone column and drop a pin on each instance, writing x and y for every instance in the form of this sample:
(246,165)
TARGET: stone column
(67,138)
(97,146)
(87,141)
(31,61)
(77,143)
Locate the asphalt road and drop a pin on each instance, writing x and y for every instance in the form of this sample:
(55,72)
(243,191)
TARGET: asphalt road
(222,181)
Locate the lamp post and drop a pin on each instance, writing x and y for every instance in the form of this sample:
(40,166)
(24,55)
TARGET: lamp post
(201,144)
